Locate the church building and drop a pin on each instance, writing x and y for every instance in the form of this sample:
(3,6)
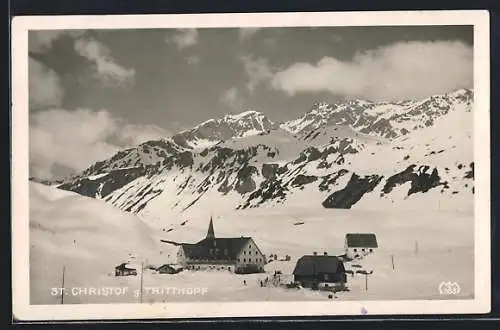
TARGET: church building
(235,254)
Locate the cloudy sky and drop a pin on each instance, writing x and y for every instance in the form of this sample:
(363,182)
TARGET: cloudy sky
(95,92)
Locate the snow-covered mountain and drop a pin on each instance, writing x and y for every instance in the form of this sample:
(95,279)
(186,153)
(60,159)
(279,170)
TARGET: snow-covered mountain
(416,153)
(213,131)
(383,119)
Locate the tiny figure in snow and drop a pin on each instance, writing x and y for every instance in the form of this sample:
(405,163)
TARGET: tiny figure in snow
(244,282)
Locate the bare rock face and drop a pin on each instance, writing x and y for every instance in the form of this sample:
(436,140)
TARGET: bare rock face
(301,180)
(353,191)
(423,181)
(104,185)
(408,175)
(269,170)
(420,180)
(245,183)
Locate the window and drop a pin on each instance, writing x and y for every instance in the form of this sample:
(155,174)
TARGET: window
(244,252)
(238,259)
(250,260)
(363,250)
(355,250)
(249,246)
(244,260)
(371,250)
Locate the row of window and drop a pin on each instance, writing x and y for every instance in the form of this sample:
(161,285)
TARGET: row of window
(363,250)
(210,267)
(250,260)
(226,252)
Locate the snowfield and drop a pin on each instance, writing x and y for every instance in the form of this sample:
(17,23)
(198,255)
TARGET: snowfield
(90,237)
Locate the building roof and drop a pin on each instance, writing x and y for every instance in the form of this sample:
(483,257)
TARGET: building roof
(123,266)
(215,248)
(171,266)
(361,240)
(315,264)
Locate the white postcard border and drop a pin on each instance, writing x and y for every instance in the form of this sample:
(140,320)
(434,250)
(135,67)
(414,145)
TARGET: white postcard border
(22,310)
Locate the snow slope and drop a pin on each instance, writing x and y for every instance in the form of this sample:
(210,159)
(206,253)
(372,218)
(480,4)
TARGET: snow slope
(86,236)
(427,248)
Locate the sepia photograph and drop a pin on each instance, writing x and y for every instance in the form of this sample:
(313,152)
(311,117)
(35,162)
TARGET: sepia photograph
(185,163)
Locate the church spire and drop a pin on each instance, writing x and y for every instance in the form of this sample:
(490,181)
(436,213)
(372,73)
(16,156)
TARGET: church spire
(210,233)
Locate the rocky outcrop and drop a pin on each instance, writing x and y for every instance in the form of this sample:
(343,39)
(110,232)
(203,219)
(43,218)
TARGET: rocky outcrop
(423,181)
(301,180)
(102,186)
(352,193)
(420,180)
(245,183)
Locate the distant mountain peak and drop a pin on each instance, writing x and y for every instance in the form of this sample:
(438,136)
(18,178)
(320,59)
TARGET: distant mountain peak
(388,119)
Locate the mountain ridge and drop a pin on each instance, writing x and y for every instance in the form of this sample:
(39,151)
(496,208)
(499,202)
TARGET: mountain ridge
(252,162)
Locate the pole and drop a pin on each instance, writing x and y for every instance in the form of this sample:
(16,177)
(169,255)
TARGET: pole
(392,261)
(142,271)
(62,285)
(366,282)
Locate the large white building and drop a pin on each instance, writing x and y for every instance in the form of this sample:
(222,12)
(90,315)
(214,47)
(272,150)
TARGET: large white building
(235,254)
(358,245)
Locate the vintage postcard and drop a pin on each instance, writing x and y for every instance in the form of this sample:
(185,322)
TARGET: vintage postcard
(227,165)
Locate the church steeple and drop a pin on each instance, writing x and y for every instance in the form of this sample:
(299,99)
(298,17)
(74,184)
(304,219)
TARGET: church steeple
(210,233)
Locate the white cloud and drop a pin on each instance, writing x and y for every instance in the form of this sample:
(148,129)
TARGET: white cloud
(45,89)
(132,135)
(107,70)
(247,33)
(257,71)
(40,41)
(232,98)
(75,139)
(184,38)
(398,71)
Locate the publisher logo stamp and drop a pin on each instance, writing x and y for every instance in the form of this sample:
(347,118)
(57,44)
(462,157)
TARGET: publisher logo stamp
(449,288)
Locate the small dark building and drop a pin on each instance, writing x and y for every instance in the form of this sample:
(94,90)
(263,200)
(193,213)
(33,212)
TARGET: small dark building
(311,270)
(123,270)
(169,269)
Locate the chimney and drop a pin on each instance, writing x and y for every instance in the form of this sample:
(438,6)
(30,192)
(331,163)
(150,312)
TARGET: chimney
(315,253)
(325,253)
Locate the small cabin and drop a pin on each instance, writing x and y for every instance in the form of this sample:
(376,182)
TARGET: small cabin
(169,269)
(311,270)
(358,245)
(123,270)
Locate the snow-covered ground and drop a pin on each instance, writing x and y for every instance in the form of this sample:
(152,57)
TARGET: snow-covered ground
(85,236)
(89,238)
